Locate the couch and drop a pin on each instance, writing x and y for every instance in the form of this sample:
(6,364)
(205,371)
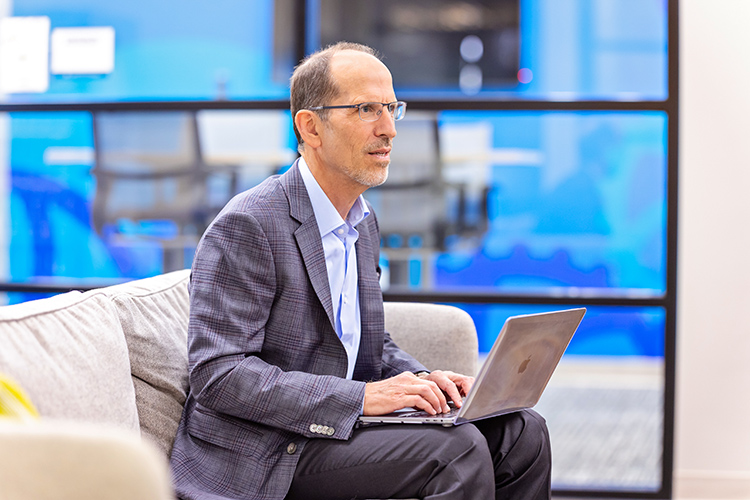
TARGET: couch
(107,371)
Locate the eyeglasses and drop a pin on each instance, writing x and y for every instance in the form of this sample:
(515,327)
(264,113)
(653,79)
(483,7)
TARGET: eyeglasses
(371,111)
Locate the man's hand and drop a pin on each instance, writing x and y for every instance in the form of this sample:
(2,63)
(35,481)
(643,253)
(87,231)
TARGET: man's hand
(455,385)
(407,390)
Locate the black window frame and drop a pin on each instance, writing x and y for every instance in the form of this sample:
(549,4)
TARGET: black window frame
(668,301)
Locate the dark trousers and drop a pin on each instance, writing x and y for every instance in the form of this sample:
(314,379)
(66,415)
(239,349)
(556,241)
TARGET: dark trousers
(501,457)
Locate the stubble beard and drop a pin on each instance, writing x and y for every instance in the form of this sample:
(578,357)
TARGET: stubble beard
(371,178)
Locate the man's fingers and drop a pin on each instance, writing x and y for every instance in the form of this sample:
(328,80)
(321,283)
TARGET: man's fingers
(404,390)
(449,387)
(443,403)
(466,384)
(422,404)
(453,393)
(447,384)
(432,394)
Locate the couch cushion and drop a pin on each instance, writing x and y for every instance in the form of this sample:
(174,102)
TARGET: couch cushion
(69,354)
(154,317)
(441,337)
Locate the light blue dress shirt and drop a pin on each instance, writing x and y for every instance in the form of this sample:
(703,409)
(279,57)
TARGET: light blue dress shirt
(339,237)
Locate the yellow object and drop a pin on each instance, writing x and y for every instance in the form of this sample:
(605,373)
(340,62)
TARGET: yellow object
(14,402)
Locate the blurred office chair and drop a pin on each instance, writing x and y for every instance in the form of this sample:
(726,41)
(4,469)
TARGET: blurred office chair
(151,184)
(411,204)
(253,143)
(467,156)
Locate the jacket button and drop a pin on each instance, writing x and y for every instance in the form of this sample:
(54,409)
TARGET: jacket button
(313,428)
(330,431)
(319,429)
(291,448)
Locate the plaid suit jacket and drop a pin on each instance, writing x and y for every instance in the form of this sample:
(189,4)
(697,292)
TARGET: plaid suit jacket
(266,366)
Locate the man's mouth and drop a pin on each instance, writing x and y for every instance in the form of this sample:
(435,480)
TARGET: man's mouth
(382,153)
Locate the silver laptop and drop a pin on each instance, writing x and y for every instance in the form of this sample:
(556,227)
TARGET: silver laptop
(513,377)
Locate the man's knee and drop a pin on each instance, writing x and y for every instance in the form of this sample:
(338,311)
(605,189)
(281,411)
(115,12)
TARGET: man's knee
(467,470)
(462,444)
(520,440)
(535,435)
(463,439)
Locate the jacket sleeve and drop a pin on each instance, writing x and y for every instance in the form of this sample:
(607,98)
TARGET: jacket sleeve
(232,294)
(396,360)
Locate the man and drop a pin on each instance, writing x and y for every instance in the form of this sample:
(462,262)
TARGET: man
(286,336)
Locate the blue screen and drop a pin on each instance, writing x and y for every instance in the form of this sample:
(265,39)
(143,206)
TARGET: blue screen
(173,50)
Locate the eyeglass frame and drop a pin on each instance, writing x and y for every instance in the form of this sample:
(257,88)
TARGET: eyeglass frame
(359,109)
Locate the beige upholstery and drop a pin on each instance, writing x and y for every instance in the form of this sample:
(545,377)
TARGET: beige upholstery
(439,336)
(52,460)
(154,316)
(118,356)
(69,354)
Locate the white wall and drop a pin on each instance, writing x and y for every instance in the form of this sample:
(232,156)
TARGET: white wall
(713,330)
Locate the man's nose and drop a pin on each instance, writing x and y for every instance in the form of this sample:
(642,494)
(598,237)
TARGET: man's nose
(386,125)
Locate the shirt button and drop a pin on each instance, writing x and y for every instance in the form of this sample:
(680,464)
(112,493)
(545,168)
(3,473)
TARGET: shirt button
(340,230)
(291,448)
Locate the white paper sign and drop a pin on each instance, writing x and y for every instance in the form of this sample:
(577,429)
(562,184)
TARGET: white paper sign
(83,51)
(24,54)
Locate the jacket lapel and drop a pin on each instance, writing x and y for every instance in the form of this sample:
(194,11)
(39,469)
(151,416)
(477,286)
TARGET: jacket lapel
(369,358)
(308,237)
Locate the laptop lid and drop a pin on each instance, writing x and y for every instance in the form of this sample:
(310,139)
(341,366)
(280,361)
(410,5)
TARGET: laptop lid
(515,373)
(520,364)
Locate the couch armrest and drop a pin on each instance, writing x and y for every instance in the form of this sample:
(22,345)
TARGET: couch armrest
(439,336)
(66,461)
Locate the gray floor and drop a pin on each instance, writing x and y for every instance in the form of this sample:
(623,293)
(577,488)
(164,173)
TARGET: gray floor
(604,438)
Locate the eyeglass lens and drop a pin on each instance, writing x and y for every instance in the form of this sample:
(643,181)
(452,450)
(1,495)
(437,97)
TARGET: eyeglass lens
(371,111)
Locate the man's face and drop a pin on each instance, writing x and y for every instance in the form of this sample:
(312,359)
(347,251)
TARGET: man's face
(359,151)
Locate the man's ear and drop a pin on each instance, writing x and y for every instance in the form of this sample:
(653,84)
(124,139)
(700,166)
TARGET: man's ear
(308,125)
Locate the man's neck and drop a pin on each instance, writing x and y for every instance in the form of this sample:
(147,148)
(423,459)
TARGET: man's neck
(343,192)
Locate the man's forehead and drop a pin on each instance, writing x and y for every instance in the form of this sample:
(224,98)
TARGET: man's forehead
(353,62)
(350,68)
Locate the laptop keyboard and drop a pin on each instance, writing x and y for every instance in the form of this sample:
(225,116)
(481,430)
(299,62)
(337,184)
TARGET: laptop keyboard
(421,413)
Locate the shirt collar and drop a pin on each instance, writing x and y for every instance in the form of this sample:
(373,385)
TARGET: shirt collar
(326,215)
